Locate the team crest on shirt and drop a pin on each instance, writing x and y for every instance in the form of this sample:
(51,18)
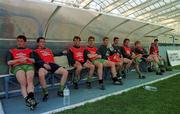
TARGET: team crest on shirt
(45,53)
(79,54)
(20,55)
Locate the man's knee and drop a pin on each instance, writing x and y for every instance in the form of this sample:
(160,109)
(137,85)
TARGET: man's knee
(99,65)
(64,72)
(78,67)
(129,61)
(20,72)
(91,66)
(42,72)
(112,64)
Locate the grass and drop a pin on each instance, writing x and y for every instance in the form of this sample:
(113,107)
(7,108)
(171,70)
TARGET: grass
(138,101)
(177,67)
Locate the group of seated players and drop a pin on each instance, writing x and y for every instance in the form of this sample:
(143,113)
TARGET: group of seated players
(25,61)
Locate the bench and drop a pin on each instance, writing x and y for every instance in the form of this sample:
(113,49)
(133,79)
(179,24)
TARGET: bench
(10,78)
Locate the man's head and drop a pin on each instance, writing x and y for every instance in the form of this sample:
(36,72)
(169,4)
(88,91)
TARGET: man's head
(91,41)
(21,41)
(155,41)
(41,42)
(116,40)
(106,41)
(152,44)
(126,42)
(137,44)
(76,41)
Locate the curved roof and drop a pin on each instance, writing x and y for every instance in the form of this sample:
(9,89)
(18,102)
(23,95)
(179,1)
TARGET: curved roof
(164,12)
(62,19)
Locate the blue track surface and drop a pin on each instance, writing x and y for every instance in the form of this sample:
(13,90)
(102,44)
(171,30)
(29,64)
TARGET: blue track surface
(16,105)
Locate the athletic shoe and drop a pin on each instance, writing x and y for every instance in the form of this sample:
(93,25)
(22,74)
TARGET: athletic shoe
(45,98)
(76,86)
(60,93)
(101,87)
(88,84)
(142,77)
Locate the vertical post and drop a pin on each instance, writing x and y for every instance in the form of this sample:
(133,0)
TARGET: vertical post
(173,41)
(6,86)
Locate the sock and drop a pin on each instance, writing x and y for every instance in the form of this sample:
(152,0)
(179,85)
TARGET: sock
(26,98)
(101,81)
(61,87)
(156,67)
(76,79)
(89,79)
(31,95)
(139,74)
(114,79)
(151,64)
(161,63)
(119,74)
(45,90)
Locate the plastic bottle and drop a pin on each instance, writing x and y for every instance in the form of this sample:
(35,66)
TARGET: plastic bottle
(110,47)
(150,88)
(66,98)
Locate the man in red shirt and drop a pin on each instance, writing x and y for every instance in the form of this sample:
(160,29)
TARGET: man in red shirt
(45,63)
(21,61)
(77,56)
(131,57)
(95,57)
(154,51)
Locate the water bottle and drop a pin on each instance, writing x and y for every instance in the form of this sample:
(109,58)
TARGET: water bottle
(110,47)
(150,88)
(66,98)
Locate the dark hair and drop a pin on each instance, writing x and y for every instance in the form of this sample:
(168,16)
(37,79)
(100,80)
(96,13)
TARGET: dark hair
(91,37)
(115,38)
(137,42)
(125,40)
(76,38)
(22,37)
(40,39)
(105,38)
(156,40)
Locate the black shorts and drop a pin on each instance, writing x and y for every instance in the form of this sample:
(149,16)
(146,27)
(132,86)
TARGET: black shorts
(53,66)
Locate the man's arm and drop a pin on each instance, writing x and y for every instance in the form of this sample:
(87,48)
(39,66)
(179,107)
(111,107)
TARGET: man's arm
(124,54)
(59,53)
(101,51)
(70,57)
(10,60)
(31,57)
(136,50)
(38,60)
(86,55)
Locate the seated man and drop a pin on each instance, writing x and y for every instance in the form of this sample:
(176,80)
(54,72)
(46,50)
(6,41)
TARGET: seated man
(21,61)
(139,50)
(117,52)
(131,58)
(45,63)
(154,50)
(154,60)
(105,52)
(77,56)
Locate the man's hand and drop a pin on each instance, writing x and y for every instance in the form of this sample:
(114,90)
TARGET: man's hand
(22,60)
(64,52)
(98,56)
(47,66)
